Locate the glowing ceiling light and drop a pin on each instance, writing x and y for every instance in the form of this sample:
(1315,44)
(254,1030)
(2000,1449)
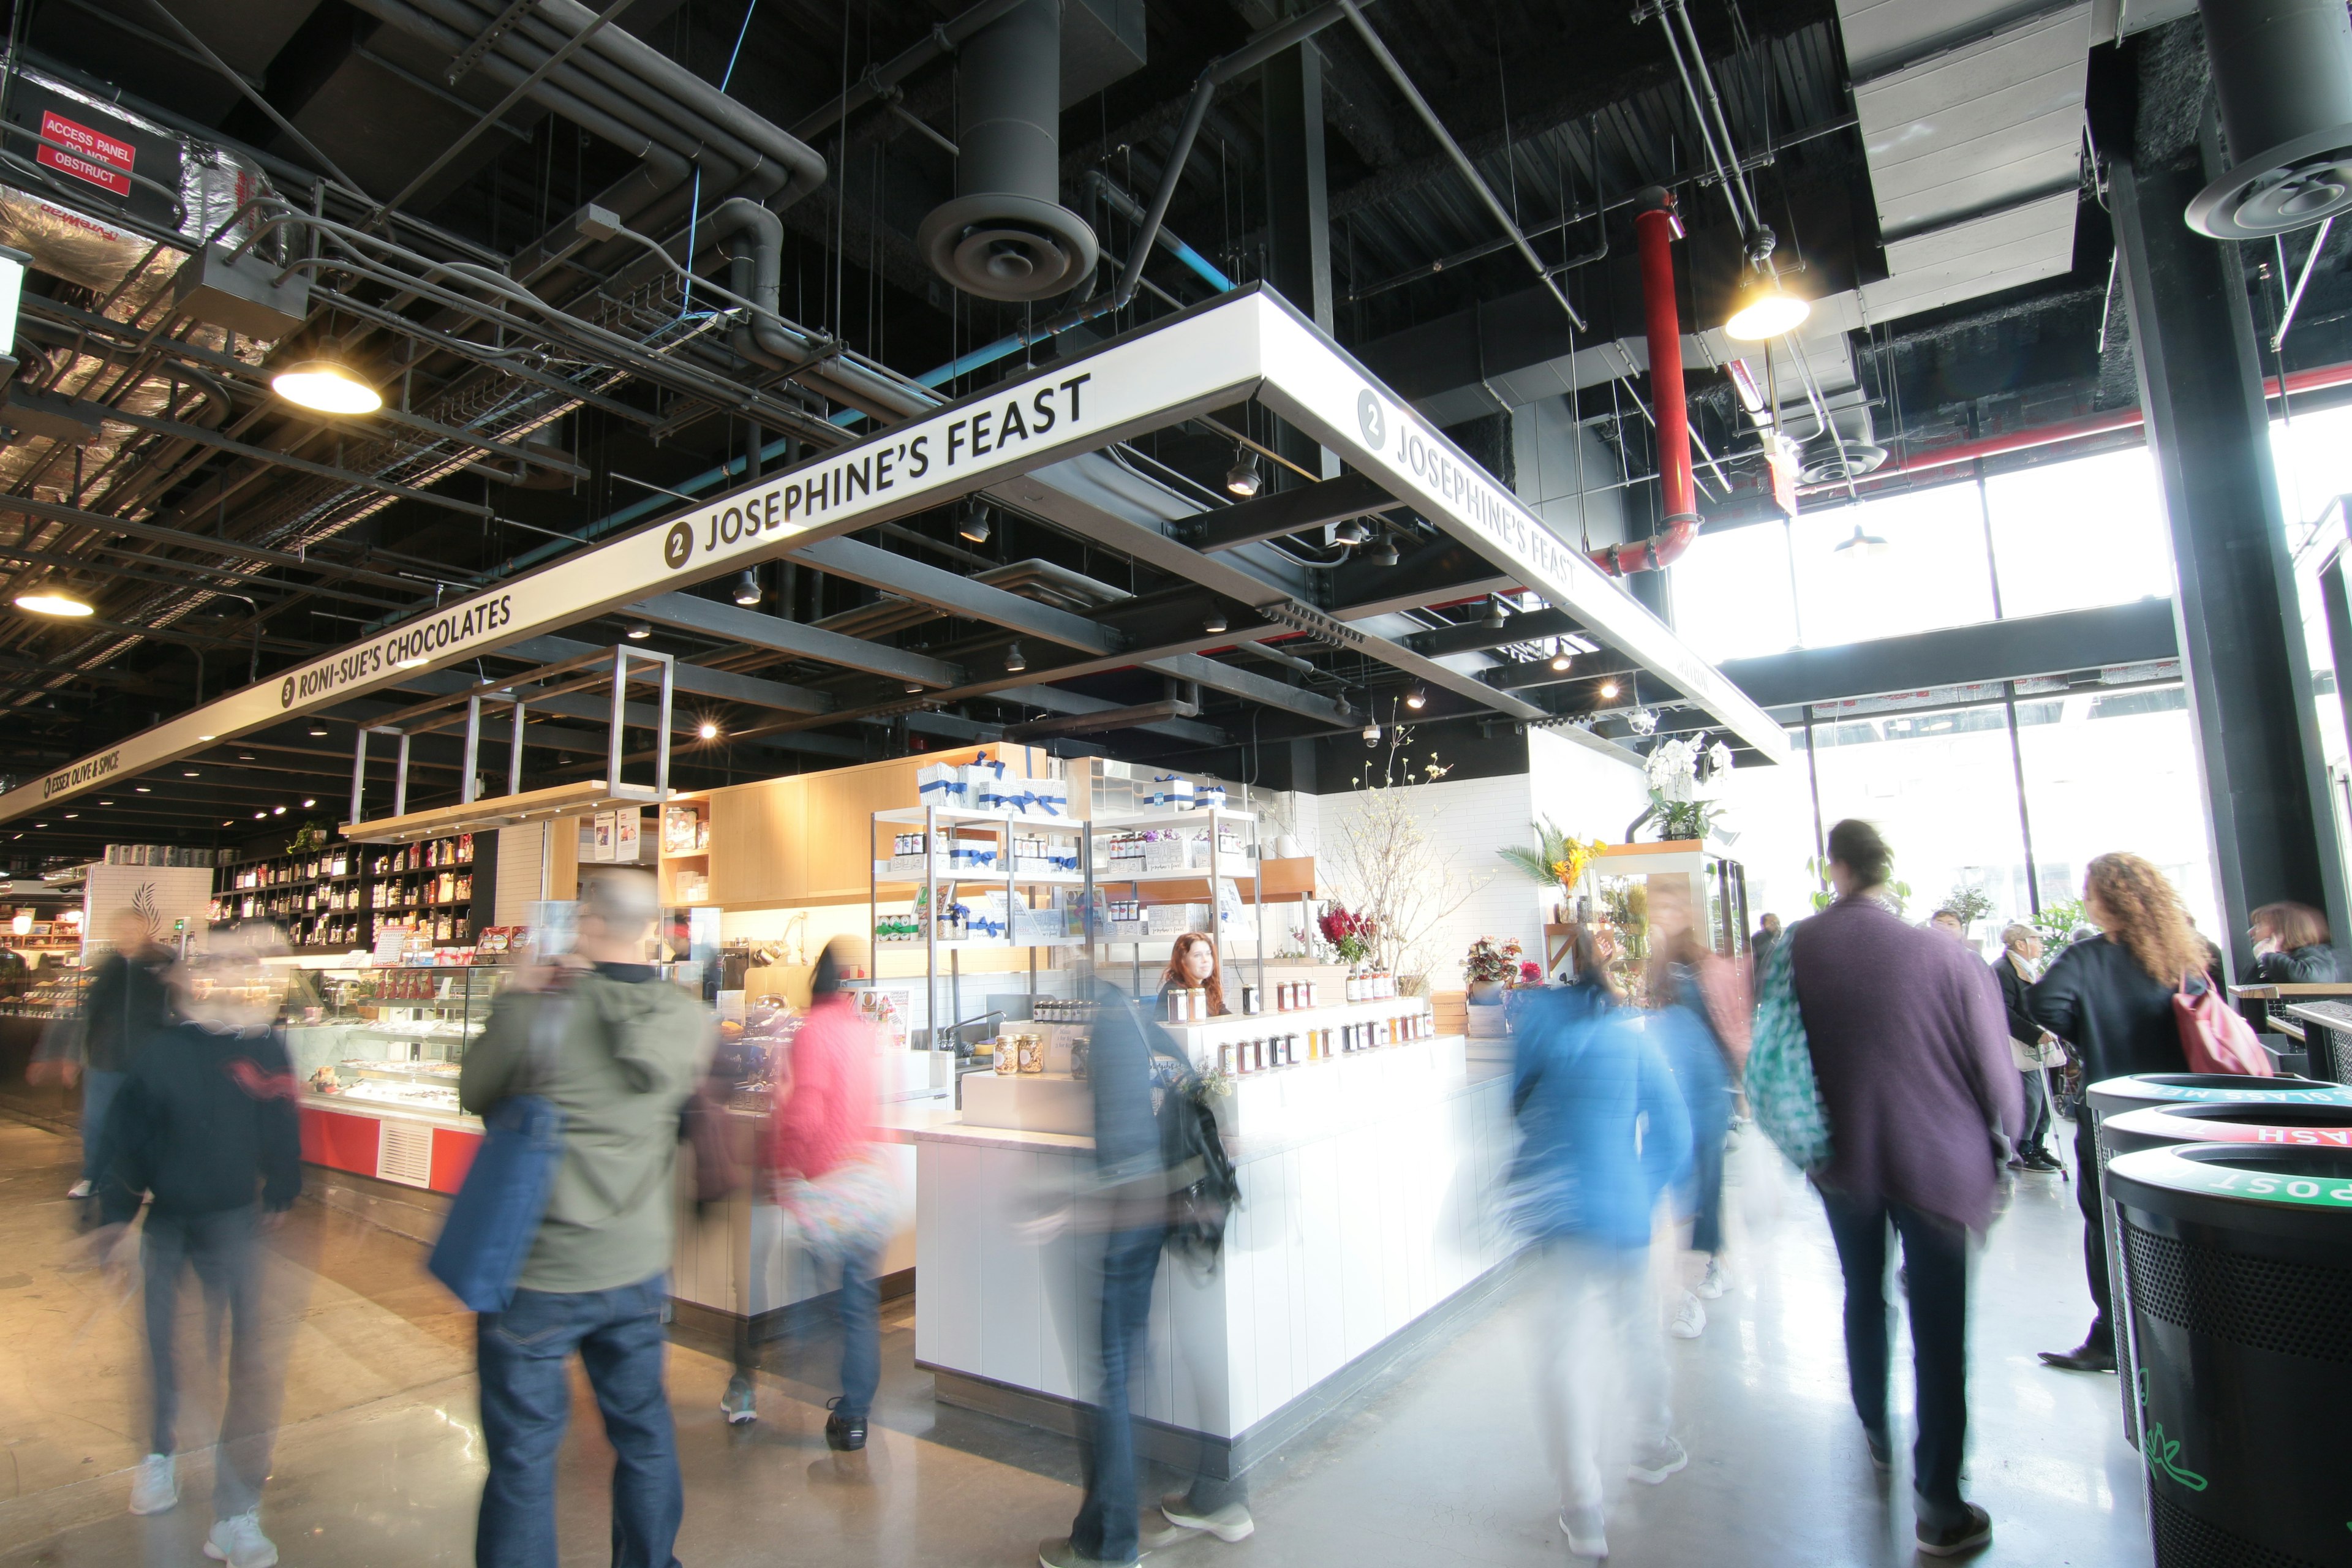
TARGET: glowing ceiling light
(1416,700)
(324,386)
(51,602)
(1242,478)
(1609,690)
(1767,310)
(708,730)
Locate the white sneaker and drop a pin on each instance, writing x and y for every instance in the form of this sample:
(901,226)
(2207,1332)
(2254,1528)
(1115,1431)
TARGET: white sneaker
(156,1487)
(237,1540)
(1651,1465)
(1690,1319)
(1716,1282)
(1584,1529)
(79,1189)
(1230,1523)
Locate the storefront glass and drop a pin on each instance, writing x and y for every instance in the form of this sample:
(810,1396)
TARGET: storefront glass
(1942,786)
(1929,572)
(2117,770)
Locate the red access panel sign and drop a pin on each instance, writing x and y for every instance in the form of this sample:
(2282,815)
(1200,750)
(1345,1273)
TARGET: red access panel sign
(102,159)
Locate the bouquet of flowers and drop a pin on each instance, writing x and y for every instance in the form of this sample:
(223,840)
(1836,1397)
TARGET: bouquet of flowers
(1492,958)
(1351,936)
(1530,974)
(1555,856)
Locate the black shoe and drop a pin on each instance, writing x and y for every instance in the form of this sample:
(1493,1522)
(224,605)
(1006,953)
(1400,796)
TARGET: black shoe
(2084,1357)
(846,1433)
(2041,1161)
(1974,1530)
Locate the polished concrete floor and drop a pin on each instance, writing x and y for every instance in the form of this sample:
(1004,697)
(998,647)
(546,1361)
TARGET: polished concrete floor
(379,1461)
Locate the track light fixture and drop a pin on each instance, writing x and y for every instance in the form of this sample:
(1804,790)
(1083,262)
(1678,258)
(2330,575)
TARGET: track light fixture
(638,631)
(1215,621)
(1384,553)
(1013,662)
(51,601)
(1417,698)
(1350,530)
(975,525)
(1242,478)
(1560,658)
(1609,691)
(747,589)
(1496,615)
(317,730)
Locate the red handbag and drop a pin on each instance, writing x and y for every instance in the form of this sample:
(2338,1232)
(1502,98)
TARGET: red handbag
(2215,1039)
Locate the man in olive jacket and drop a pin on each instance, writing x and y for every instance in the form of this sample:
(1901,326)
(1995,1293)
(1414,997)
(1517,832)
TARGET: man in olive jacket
(617,1048)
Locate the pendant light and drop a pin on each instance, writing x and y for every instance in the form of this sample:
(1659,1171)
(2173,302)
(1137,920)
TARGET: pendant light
(1013,663)
(638,631)
(1496,615)
(1215,621)
(975,525)
(747,589)
(1766,311)
(1242,478)
(1384,553)
(1417,698)
(1862,546)
(325,386)
(53,602)
(1350,530)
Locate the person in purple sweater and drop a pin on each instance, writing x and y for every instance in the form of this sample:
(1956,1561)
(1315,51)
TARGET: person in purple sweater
(1910,1047)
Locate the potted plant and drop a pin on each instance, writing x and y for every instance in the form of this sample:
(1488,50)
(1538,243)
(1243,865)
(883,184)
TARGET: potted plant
(1491,964)
(1350,935)
(1556,859)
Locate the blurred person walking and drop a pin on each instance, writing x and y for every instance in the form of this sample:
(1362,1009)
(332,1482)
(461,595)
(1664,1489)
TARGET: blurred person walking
(2111,998)
(2291,947)
(619,1049)
(1161,1178)
(1603,1132)
(1701,1022)
(205,1125)
(1910,1054)
(1760,946)
(2032,1047)
(126,1003)
(825,1152)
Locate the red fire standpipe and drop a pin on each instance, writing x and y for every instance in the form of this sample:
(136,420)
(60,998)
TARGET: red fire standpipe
(1655,228)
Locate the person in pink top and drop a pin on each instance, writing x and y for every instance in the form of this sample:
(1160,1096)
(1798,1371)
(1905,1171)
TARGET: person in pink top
(823,1120)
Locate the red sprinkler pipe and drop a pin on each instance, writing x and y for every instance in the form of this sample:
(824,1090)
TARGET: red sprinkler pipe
(1655,228)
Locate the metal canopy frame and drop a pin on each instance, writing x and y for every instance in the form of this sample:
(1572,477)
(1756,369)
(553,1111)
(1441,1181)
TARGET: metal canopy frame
(601,668)
(1248,343)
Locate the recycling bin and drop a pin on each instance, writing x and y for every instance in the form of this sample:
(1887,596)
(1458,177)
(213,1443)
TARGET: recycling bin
(2236,1297)
(2112,1099)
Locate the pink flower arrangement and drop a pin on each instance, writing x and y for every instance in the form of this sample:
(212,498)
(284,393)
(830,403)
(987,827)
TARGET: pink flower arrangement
(1350,935)
(1530,974)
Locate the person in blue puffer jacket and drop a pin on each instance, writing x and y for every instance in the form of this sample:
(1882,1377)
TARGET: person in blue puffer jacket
(1603,1133)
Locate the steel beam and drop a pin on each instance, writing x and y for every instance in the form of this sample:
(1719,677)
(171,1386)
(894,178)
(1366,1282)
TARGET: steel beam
(693,680)
(1287,512)
(732,622)
(956,594)
(1959,656)
(1053,700)
(2239,626)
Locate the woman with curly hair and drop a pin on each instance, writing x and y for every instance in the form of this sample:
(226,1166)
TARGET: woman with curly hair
(2112,998)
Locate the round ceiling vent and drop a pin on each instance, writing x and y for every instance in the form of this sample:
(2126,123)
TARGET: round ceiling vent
(1824,462)
(1001,246)
(2288,187)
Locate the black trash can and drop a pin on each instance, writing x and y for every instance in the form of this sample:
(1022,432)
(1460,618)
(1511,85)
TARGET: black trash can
(2111,1098)
(2326,1037)
(2237,1300)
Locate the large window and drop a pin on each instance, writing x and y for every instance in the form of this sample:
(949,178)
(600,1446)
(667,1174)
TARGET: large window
(1887,568)
(2076,535)
(1739,602)
(1772,810)
(2117,770)
(1942,787)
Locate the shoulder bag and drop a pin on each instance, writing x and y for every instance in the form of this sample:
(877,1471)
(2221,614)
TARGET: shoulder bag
(1783,1093)
(495,1217)
(2214,1037)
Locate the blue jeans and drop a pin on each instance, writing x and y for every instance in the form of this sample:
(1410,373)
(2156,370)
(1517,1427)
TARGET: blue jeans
(223,1250)
(860,1308)
(1935,1251)
(527,1401)
(98,1088)
(1105,1526)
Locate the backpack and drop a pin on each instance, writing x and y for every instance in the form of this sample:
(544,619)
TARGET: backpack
(1202,1188)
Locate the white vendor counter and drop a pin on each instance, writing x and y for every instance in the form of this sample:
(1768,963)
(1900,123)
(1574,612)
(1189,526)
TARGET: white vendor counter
(1368,1185)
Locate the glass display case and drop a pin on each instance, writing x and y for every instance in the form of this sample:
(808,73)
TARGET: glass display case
(390,1039)
(49,992)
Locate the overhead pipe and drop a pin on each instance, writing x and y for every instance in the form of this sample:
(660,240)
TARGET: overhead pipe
(1655,228)
(2320,378)
(878,81)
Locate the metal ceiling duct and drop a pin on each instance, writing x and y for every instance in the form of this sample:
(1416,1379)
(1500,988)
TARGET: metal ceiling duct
(1845,448)
(1006,235)
(2283,72)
